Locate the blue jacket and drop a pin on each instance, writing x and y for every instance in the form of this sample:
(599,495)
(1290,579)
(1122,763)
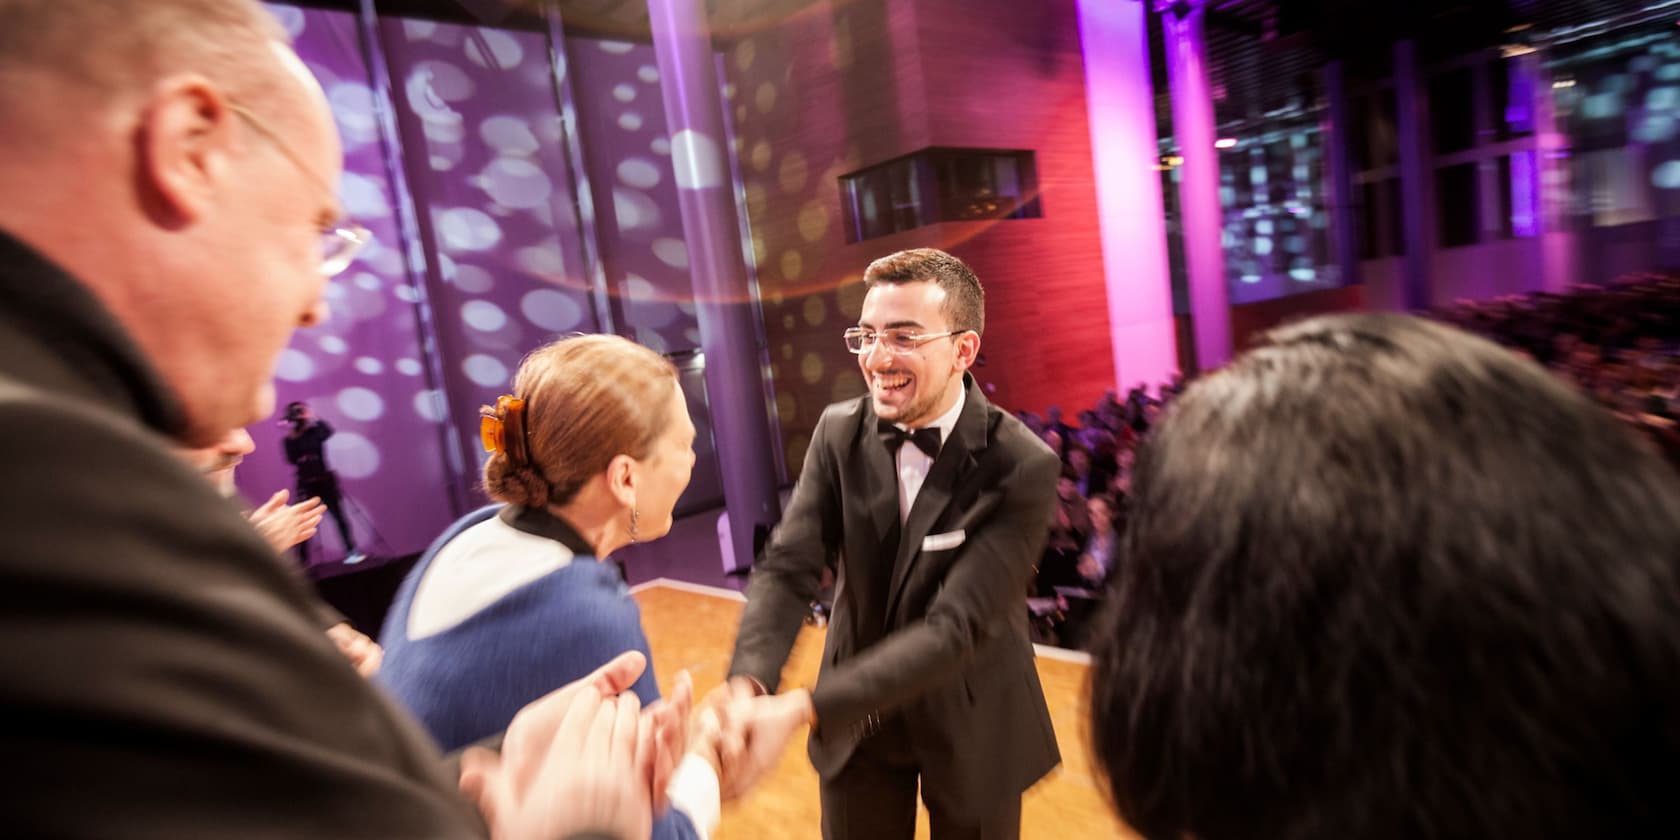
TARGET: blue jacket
(466,682)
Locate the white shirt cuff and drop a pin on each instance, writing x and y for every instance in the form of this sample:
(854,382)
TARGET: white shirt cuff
(694,790)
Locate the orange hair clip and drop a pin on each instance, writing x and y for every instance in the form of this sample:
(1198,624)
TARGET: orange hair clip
(502,429)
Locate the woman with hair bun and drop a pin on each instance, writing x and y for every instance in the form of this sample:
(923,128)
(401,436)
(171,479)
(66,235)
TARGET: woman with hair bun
(588,455)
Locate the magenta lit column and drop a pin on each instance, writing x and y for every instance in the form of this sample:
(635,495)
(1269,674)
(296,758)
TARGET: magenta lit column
(1198,186)
(1545,201)
(1121,103)
(1416,181)
(729,335)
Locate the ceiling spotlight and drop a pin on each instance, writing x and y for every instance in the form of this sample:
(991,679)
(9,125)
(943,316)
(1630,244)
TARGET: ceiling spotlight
(1225,143)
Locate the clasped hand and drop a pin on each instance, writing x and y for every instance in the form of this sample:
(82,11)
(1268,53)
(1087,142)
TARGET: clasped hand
(744,734)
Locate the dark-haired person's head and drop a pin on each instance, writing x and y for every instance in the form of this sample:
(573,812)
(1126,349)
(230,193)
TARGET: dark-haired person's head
(1385,579)
(607,433)
(918,333)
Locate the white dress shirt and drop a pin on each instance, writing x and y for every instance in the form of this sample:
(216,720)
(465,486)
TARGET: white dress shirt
(914,464)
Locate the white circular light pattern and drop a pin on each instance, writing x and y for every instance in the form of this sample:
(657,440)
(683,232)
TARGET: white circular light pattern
(291,18)
(473,280)
(367,281)
(370,366)
(407,367)
(624,92)
(365,306)
(352,107)
(630,121)
(551,310)
(517,183)
(697,160)
(360,404)
(1667,175)
(508,135)
(648,73)
(352,455)
(405,293)
(430,406)
(634,210)
(468,229)
(335,293)
(1656,128)
(1601,106)
(388,261)
(485,371)
(661,145)
(418,30)
(616,47)
(333,344)
(363,197)
(637,289)
(294,366)
(495,49)
(440,81)
(484,316)
(640,173)
(672,252)
(542,260)
(687,307)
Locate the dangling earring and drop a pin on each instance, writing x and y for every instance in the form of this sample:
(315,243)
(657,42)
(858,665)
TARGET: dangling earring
(634,515)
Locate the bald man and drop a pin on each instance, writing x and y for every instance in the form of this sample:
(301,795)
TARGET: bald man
(170,219)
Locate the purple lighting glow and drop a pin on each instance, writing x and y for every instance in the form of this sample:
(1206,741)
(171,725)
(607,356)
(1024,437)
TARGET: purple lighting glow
(1134,237)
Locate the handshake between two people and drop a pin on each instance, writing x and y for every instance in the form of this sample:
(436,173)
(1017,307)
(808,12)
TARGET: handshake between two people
(588,761)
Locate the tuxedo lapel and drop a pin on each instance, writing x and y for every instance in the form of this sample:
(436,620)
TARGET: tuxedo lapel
(955,460)
(880,476)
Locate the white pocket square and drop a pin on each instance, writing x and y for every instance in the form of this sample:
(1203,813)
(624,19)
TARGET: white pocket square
(941,542)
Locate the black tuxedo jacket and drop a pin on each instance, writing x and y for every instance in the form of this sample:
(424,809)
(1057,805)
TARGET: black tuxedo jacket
(929,620)
(162,672)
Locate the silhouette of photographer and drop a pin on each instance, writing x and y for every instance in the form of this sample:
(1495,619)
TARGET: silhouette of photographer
(305,444)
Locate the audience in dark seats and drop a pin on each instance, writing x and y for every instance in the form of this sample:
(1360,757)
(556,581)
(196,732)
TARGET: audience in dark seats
(1097,458)
(1618,342)
(1383,579)
(1096,557)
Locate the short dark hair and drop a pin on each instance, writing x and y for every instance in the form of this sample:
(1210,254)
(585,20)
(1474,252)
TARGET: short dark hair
(1385,579)
(965,300)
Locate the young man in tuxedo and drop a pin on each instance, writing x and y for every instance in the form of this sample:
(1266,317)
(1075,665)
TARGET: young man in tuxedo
(934,504)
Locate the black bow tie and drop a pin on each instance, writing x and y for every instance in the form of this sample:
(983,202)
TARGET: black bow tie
(926,439)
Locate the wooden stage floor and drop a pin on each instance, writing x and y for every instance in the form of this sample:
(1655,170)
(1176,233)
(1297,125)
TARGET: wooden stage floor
(694,630)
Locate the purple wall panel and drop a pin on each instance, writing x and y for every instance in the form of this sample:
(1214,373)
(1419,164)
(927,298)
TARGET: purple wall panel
(627,154)
(362,371)
(487,166)
(482,131)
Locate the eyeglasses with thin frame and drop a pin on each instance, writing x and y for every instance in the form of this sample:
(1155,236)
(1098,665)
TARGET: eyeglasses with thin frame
(898,340)
(341,239)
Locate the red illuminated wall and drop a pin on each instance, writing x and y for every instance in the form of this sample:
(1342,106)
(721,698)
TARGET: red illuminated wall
(845,85)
